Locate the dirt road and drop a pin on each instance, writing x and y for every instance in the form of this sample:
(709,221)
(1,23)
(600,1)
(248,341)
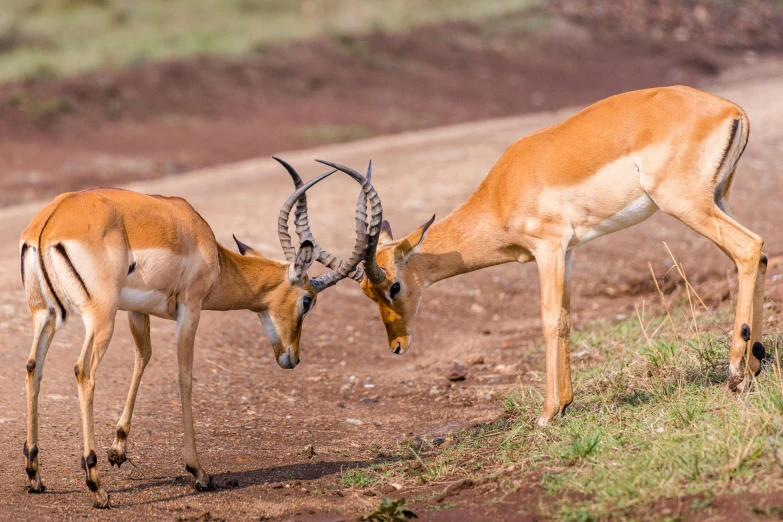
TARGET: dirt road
(253,420)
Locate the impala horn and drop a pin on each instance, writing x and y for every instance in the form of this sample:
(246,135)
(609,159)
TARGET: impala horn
(340,269)
(371,269)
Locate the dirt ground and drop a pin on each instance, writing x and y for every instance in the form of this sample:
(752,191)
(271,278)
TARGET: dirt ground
(254,420)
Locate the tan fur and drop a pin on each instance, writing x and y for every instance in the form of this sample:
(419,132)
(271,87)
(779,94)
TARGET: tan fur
(606,168)
(107,249)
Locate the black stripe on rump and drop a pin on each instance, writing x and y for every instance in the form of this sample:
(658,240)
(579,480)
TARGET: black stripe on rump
(43,268)
(24,251)
(61,249)
(734,128)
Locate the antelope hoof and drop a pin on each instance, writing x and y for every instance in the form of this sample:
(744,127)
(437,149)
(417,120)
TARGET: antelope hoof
(36,487)
(204,485)
(116,457)
(100,499)
(31,468)
(201,481)
(738,386)
(546,417)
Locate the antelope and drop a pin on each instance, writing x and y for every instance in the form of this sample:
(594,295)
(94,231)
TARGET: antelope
(606,168)
(103,250)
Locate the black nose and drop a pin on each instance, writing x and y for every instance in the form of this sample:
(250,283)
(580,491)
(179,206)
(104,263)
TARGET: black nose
(297,360)
(397,350)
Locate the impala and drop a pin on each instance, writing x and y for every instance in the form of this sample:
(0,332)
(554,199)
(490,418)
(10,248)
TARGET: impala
(103,250)
(605,169)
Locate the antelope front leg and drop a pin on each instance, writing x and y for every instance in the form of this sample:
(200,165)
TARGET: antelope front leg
(564,339)
(757,349)
(551,260)
(187,323)
(140,328)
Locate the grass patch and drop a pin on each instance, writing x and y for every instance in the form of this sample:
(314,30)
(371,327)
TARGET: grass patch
(51,33)
(326,134)
(359,478)
(652,419)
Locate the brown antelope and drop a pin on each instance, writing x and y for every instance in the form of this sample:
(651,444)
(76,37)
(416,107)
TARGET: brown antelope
(103,250)
(606,168)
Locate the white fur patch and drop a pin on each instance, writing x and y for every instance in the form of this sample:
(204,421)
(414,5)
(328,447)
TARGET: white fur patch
(611,199)
(146,301)
(636,212)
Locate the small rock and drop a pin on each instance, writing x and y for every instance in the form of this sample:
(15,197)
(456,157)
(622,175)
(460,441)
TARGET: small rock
(476,360)
(477,308)
(506,345)
(458,372)
(309,451)
(355,422)
(388,488)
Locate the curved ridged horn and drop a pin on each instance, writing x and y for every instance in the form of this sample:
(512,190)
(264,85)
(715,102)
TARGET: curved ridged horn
(282,220)
(301,221)
(362,236)
(374,272)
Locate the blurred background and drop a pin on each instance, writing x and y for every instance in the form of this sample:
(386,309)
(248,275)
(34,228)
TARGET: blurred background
(103,92)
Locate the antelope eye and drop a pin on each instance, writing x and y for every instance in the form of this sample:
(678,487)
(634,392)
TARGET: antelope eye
(394,290)
(307,303)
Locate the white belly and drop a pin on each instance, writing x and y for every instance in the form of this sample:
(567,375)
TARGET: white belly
(148,302)
(637,211)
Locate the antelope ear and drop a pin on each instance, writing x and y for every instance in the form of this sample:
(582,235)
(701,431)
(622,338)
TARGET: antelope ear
(303,261)
(243,248)
(386,234)
(415,237)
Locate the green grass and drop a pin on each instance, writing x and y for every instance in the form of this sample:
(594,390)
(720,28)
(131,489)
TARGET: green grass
(652,419)
(359,478)
(66,37)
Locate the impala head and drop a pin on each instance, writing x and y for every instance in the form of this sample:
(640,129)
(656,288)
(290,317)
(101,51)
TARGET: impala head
(395,289)
(295,296)
(385,280)
(282,309)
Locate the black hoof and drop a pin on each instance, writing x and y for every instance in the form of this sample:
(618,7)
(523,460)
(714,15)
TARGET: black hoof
(116,458)
(210,486)
(102,503)
(745,332)
(34,491)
